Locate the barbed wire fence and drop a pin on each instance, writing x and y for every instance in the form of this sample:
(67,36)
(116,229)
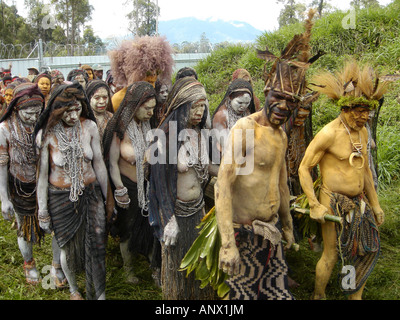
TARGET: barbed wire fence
(50,49)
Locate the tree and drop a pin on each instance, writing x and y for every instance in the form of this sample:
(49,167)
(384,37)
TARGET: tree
(323,6)
(73,14)
(205,45)
(37,13)
(364,3)
(291,13)
(10,23)
(92,42)
(143,17)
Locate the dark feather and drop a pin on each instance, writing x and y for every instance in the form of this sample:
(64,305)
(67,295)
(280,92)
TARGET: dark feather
(266,55)
(317,56)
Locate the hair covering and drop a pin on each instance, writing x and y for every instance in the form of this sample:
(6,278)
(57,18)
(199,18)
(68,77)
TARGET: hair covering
(64,95)
(56,75)
(236,86)
(6,78)
(25,97)
(42,75)
(12,86)
(135,58)
(86,67)
(288,72)
(352,86)
(163,177)
(241,74)
(109,77)
(75,72)
(137,94)
(186,72)
(93,86)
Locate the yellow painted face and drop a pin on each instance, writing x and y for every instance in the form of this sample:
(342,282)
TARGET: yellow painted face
(357,117)
(90,73)
(8,96)
(44,85)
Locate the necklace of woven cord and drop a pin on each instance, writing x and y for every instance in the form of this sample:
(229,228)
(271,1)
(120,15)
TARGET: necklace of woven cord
(359,148)
(23,154)
(137,135)
(198,157)
(71,149)
(102,123)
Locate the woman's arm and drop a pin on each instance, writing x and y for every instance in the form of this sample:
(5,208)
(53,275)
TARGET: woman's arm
(7,208)
(43,183)
(121,200)
(98,162)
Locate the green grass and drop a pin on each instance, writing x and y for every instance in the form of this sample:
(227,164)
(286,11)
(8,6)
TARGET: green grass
(14,287)
(384,281)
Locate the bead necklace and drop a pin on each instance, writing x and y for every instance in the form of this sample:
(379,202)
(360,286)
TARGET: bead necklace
(22,153)
(198,157)
(137,134)
(70,146)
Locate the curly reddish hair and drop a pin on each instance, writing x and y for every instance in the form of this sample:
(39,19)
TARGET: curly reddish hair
(135,59)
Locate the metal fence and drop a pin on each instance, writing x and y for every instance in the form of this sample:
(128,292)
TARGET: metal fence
(67,63)
(49,49)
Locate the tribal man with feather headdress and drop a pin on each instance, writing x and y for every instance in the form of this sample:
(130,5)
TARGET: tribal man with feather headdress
(347,191)
(249,203)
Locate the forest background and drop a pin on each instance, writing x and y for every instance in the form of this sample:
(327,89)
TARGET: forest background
(371,35)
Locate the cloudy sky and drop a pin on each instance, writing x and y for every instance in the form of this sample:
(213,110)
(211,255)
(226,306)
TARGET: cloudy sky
(109,17)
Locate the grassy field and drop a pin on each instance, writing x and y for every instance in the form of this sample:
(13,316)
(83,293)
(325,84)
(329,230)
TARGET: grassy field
(383,284)
(14,287)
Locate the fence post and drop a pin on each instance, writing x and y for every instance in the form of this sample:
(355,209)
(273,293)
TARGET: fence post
(40,55)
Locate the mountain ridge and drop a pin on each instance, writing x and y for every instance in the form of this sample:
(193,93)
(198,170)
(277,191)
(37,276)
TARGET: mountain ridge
(216,31)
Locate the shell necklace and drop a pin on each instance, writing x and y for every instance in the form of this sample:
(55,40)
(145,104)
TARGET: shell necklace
(356,148)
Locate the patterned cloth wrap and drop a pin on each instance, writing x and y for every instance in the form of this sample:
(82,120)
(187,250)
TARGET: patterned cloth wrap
(263,269)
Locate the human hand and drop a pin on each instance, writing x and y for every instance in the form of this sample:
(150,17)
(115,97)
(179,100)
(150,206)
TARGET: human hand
(121,197)
(45,226)
(229,260)
(288,237)
(318,213)
(44,221)
(379,215)
(171,231)
(7,210)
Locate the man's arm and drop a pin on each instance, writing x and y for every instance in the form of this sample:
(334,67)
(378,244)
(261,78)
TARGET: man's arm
(227,175)
(313,155)
(284,208)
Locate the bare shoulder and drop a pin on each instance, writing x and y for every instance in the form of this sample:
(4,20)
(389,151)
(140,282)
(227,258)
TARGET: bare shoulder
(220,118)
(4,131)
(4,127)
(48,139)
(329,132)
(245,123)
(89,125)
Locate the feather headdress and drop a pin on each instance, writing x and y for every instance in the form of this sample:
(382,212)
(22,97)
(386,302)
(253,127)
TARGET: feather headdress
(135,59)
(353,85)
(288,71)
